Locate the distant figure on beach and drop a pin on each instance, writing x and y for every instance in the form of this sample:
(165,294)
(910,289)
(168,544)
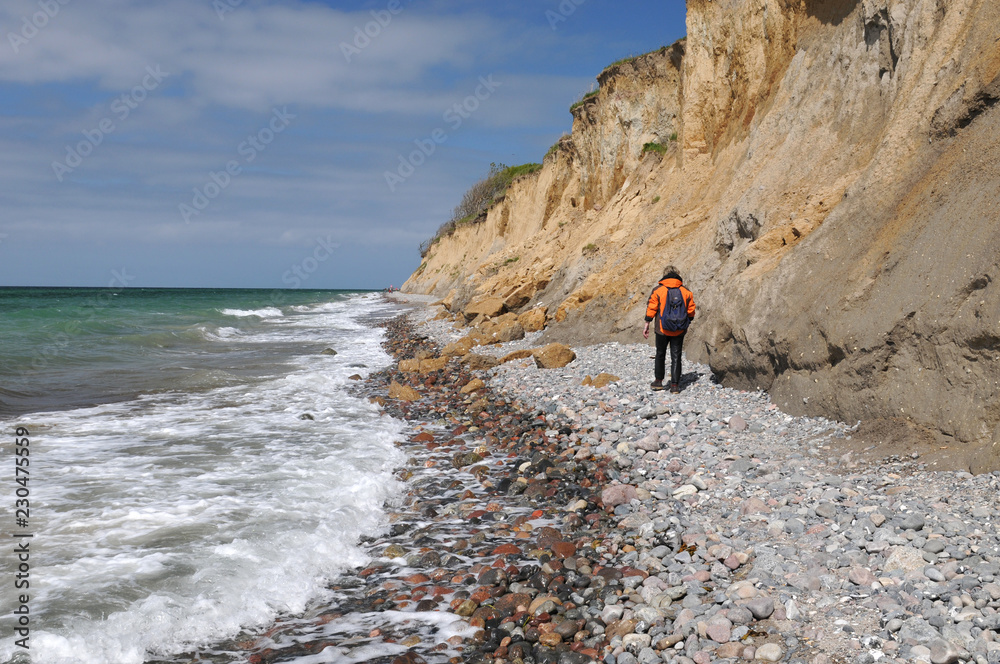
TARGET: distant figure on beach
(672,306)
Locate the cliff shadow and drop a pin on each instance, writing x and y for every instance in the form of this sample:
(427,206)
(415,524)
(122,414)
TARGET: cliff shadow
(831,12)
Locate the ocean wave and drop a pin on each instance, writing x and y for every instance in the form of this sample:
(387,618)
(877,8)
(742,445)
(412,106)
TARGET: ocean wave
(266,312)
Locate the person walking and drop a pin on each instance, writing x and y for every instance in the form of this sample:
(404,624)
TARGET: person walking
(672,306)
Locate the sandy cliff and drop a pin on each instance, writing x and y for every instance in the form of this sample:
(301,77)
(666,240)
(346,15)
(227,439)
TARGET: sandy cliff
(830,194)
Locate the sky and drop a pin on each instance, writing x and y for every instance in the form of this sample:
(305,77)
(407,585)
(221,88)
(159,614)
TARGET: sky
(277,144)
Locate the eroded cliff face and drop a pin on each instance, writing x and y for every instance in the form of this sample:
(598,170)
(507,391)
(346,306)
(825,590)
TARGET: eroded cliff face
(831,197)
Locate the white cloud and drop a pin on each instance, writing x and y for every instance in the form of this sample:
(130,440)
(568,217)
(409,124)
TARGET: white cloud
(257,57)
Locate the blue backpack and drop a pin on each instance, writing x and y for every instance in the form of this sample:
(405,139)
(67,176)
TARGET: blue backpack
(674,317)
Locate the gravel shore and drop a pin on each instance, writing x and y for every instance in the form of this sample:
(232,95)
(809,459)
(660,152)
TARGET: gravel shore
(550,521)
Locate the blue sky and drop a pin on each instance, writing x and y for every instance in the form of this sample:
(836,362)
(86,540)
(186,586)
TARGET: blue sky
(245,143)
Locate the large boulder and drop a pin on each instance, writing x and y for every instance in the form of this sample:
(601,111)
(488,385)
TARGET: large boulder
(449,301)
(516,355)
(510,332)
(458,348)
(520,297)
(533,320)
(553,356)
(494,325)
(402,392)
(409,366)
(490,307)
(435,364)
(477,362)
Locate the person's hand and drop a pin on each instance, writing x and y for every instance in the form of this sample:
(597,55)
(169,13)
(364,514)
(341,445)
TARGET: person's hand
(645,331)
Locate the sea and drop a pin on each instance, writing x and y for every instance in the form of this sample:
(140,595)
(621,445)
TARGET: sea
(197,465)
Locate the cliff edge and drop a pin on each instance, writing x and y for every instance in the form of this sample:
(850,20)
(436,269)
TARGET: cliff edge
(823,172)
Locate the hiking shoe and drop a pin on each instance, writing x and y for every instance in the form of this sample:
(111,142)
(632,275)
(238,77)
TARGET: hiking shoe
(657,385)
(675,388)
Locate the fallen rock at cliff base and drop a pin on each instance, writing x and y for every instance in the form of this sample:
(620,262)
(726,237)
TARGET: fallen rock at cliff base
(473,385)
(489,306)
(402,392)
(516,355)
(435,364)
(534,320)
(602,379)
(553,356)
(477,362)
(409,366)
(520,297)
(511,332)
(458,348)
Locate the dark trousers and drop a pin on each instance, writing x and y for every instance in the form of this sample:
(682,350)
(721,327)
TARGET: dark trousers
(661,357)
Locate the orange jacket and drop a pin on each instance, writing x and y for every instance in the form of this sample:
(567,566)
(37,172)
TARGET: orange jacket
(658,300)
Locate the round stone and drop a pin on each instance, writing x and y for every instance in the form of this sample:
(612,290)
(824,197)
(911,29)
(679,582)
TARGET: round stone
(769,652)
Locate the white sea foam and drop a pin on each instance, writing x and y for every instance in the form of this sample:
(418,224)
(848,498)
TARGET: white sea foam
(181,519)
(266,312)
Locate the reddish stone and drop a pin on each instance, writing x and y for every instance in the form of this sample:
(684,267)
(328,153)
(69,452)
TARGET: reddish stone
(564,549)
(506,550)
(631,571)
(459,430)
(423,437)
(415,579)
(508,604)
(485,613)
(477,514)
(409,657)
(481,595)
(548,532)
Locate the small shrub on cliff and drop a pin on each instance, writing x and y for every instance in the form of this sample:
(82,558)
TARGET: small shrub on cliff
(658,148)
(589,249)
(579,102)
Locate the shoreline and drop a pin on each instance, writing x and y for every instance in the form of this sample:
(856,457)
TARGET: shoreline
(576,524)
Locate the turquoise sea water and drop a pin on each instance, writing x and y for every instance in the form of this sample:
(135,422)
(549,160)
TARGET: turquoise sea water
(65,347)
(198,464)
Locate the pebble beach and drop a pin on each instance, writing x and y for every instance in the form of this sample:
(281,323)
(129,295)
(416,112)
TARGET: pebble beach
(548,520)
